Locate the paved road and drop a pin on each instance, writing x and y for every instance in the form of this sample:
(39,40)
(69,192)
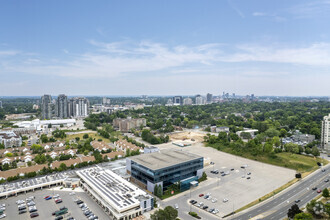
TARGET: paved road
(277,207)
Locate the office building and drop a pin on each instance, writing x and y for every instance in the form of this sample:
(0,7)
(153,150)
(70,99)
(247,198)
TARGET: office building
(325,133)
(78,107)
(199,100)
(46,107)
(177,100)
(120,199)
(106,101)
(165,168)
(187,101)
(126,124)
(61,106)
(209,98)
(10,139)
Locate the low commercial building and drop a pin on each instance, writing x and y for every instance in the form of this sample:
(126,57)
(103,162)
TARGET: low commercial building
(118,197)
(151,149)
(164,169)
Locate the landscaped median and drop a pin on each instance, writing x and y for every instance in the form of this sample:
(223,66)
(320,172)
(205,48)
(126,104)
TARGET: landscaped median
(194,214)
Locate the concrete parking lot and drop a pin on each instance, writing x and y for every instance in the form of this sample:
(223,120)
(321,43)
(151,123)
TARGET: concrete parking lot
(46,208)
(239,191)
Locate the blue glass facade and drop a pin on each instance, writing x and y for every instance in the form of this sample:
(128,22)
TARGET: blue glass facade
(167,175)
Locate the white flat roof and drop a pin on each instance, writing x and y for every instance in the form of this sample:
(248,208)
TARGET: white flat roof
(116,191)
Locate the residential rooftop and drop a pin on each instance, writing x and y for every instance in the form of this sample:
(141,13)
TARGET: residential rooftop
(162,159)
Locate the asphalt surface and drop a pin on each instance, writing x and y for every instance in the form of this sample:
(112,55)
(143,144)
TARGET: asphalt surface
(277,207)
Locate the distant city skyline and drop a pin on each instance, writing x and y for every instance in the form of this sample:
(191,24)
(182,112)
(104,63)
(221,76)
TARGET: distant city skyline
(278,48)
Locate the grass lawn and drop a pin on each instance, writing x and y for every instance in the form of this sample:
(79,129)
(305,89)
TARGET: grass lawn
(93,135)
(300,163)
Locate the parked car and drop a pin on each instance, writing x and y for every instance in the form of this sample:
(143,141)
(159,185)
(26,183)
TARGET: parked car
(192,201)
(232,169)
(33,210)
(318,191)
(297,200)
(3,215)
(176,206)
(22,211)
(327,180)
(62,208)
(314,188)
(58,201)
(200,195)
(249,173)
(205,207)
(225,200)
(56,196)
(79,202)
(35,214)
(248,178)
(211,210)
(59,217)
(214,200)
(206,196)
(48,198)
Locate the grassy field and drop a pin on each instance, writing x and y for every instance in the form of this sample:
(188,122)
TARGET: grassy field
(93,135)
(300,163)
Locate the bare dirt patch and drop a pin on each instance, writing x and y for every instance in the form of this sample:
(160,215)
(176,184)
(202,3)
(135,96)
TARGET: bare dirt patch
(187,136)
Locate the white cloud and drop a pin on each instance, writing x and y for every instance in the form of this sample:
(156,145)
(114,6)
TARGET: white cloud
(311,9)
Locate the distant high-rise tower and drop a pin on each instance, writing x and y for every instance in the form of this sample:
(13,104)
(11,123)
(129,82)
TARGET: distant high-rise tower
(177,100)
(106,101)
(46,107)
(199,100)
(61,106)
(325,133)
(78,107)
(187,101)
(209,97)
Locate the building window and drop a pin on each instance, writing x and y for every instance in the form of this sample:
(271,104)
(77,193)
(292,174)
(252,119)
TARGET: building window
(145,204)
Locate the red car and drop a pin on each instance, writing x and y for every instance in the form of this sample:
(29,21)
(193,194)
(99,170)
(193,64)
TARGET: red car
(58,201)
(318,191)
(200,195)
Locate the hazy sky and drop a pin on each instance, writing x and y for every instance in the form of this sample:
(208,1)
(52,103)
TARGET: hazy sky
(264,47)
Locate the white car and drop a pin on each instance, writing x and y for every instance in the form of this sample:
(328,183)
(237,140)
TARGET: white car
(215,211)
(72,193)
(225,200)
(19,202)
(214,200)
(243,176)
(56,196)
(176,206)
(3,216)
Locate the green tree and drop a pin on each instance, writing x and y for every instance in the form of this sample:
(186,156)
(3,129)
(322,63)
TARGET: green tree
(303,216)
(86,136)
(315,151)
(246,135)
(171,213)
(63,167)
(293,211)
(325,193)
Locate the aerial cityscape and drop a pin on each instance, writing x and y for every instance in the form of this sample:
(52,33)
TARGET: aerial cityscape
(164,110)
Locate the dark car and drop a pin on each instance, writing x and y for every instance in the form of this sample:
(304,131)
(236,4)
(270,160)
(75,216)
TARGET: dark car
(211,210)
(71,218)
(62,208)
(192,201)
(22,212)
(327,180)
(205,207)
(58,201)
(314,188)
(248,178)
(79,202)
(207,196)
(87,213)
(232,169)
(59,217)
(32,215)
(296,201)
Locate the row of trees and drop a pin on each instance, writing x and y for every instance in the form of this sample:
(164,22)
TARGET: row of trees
(152,139)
